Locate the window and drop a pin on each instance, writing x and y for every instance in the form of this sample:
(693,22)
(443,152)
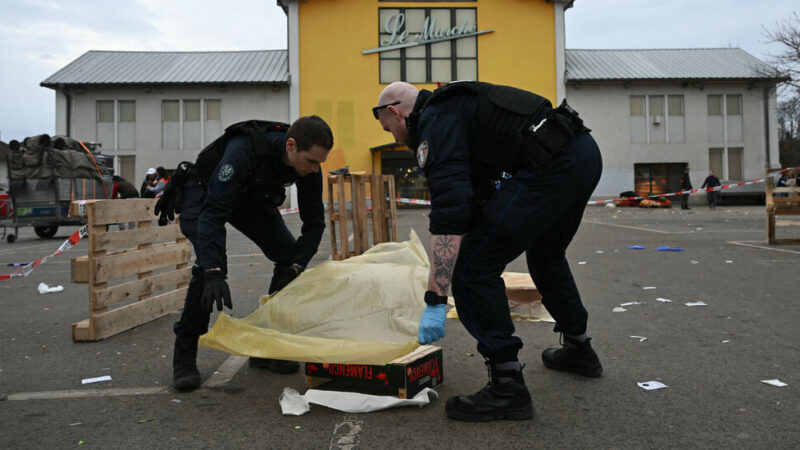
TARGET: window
(735,171)
(725,118)
(170,124)
(442,61)
(656,119)
(116,124)
(190,124)
(715,157)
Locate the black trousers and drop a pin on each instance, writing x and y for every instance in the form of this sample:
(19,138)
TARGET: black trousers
(684,201)
(262,224)
(536,213)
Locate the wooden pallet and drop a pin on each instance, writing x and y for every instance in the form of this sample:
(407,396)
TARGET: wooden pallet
(157,257)
(781,201)
(383,215)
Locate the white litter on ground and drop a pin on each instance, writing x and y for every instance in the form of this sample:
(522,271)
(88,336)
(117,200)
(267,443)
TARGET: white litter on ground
(729,262)
(44,289)
(652,385)
(618,309)
(695,262)
(663,300)
(581,262)
(775,382)
(640,338)
(96,379)
(294,404)
(629,304)
(647,288)
(696,304)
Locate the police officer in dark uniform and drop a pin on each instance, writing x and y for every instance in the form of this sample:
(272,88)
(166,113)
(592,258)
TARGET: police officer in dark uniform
(686,185)
(508,174)
(240,179)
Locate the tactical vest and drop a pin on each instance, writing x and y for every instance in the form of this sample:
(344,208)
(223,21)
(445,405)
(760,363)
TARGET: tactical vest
(211,155)
(513,128)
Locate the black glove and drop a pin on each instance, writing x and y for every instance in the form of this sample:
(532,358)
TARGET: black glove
(172,196)
(215,290)
(283,275)
(166,205)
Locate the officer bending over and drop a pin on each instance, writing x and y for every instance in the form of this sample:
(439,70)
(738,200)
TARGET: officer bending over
(241,178)
(507,174)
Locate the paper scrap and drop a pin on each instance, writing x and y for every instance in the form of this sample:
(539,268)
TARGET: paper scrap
(629,304)
(725,341)
(663,300)
(635,247)
(775,382)
(640,338)
(581,262)
(652,385)
(292,403)
(96,379)
(618,309)
(695,262)
(696,304)
(599,251)
(728,261)
(647,288)
(44,289)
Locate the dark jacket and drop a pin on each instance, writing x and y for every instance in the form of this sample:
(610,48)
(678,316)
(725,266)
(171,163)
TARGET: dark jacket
(125,189)
(710,181)
(686,182)
(246,183)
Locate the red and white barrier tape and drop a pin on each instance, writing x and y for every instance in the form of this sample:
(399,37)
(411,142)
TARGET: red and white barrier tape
(414,201)
(72,241)
(694,191)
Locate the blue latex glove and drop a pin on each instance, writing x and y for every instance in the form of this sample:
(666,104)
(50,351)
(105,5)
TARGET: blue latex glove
(431,325)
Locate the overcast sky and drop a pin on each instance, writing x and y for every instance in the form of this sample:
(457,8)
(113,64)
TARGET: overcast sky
(38,37)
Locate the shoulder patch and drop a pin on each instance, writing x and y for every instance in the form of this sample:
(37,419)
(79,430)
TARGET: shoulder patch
(225,173)
(422,154)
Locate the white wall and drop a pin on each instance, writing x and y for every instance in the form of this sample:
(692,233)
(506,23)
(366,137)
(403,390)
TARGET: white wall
(605,108)
(241,102)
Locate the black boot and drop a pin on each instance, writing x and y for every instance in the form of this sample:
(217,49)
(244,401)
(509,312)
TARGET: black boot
(504,397)
(573,356)
(274,365)
(185,375)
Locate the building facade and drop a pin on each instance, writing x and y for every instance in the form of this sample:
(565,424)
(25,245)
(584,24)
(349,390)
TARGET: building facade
(653,113)
(151,109)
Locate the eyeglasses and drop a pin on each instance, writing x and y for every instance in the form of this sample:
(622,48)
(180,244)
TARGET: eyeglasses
(376,110)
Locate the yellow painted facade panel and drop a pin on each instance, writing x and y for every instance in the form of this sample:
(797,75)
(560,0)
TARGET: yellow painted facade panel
(341,84)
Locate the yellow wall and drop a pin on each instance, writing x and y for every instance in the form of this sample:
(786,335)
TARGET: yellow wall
(340,84)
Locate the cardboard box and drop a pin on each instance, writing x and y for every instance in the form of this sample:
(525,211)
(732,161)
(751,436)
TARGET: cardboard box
(404,377)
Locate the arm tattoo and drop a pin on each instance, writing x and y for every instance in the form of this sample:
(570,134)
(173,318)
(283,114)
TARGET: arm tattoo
(445,252)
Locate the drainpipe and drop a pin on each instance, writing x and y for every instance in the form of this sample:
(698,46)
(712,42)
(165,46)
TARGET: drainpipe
(768,161)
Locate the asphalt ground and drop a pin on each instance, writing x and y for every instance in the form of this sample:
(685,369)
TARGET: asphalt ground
(712,358)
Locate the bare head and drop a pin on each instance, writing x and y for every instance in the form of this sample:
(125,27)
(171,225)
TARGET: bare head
(395,104)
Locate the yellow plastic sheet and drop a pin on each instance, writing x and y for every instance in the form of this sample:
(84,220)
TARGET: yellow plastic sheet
(363,310)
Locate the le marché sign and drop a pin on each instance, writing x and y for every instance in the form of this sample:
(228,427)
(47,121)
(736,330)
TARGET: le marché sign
(431,33)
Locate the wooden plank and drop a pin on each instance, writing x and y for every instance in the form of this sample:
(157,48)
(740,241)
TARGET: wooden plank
(131,238)
(392,206)
(80,331)
(122,265)
(332,218)
(94,283)
(146,225)
(117,211)
(79,268)
(378,209)
(134,289)
(359,202)
(131,316)
(342,207)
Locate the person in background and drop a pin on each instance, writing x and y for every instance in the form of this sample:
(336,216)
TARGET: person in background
(162,179)
(711,181)
(122,188)
(686,185)
(149,180)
